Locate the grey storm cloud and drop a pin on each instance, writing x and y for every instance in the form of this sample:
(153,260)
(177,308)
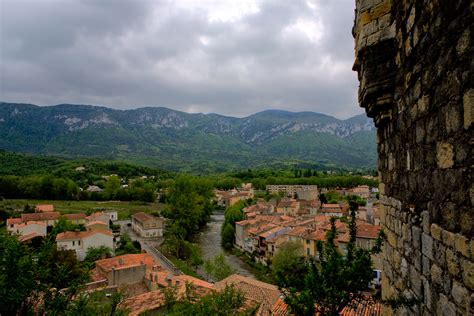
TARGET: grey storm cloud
(224,56)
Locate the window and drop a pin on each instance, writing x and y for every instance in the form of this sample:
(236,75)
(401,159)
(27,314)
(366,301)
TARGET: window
(73,242)
(78,242)
(307,241)
(307,251)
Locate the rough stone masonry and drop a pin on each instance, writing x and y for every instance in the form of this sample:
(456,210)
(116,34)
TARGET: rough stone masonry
(414,61)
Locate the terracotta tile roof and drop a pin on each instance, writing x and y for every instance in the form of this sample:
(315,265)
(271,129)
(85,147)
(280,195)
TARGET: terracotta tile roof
(30,223)
(246,222)
(97,223)
(269,218)
(75,216)
(195,281)
(14,221)
(81,235)
(106,265)
(143,217)
(280,308)
(28,237)
(317,235)
(94,215)
(298,231)
(136,305)
(153,300)
(361,308)
(278,240)
(331,206)
(44,208)
(271,231)
(260,229)
(40,216)
(264,293)
(368,231)
(96,275)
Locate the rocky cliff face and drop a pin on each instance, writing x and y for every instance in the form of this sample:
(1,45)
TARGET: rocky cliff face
(414,62)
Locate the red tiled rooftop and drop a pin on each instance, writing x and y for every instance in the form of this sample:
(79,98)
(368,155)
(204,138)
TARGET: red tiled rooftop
(271,231)
(40,216)
(14,221)
(75,216)
(264,293)
(44,208)
(81,235)
(331,206)
(368,231)
(143,217)
(30,223)
(28,237)
(126,260)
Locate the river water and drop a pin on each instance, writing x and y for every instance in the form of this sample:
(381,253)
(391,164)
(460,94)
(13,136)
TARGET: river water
(210,241)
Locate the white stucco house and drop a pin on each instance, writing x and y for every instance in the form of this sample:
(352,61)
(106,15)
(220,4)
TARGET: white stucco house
(81,241)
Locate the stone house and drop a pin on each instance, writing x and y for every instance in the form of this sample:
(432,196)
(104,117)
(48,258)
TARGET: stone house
(123,270)
(147,226)
(76,218)
(288,207)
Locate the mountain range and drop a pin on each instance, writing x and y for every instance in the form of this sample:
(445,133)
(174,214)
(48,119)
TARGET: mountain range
(200,143)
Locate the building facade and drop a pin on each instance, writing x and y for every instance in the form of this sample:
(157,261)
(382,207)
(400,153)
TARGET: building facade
(147,226)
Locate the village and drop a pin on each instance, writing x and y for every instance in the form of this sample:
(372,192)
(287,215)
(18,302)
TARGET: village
(297,214)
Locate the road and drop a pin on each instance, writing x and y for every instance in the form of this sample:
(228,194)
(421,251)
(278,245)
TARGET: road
(149,245)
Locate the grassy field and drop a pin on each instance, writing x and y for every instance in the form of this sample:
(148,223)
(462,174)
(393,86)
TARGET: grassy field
(124,209)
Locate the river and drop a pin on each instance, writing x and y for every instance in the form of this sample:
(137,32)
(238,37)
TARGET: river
(210,241)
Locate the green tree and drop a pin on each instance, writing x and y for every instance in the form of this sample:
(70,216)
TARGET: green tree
(218,268)
(228,236)
(97,253)
(288,265)
(112,187)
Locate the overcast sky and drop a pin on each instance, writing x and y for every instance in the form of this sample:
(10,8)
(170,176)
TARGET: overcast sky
(232,57)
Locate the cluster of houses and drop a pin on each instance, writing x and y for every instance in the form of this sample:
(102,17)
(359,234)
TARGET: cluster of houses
(228,198)
(97,231)
(145,282)
(302,219)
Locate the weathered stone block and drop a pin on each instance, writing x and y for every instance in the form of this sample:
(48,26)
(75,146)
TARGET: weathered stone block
(468,273)
(415,281)
(444,155)
(462,245)
(427,245)
(436,232)
(416,233)
(459,293)
(452,262)
(425,221)
(436,274)
(468,105)
(448,238)
(444,307)
(381,9)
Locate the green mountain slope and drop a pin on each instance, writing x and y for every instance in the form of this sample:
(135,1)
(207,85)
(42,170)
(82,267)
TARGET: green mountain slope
(201,143)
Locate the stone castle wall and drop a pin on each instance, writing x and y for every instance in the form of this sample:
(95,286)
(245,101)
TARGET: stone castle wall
(414,61)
